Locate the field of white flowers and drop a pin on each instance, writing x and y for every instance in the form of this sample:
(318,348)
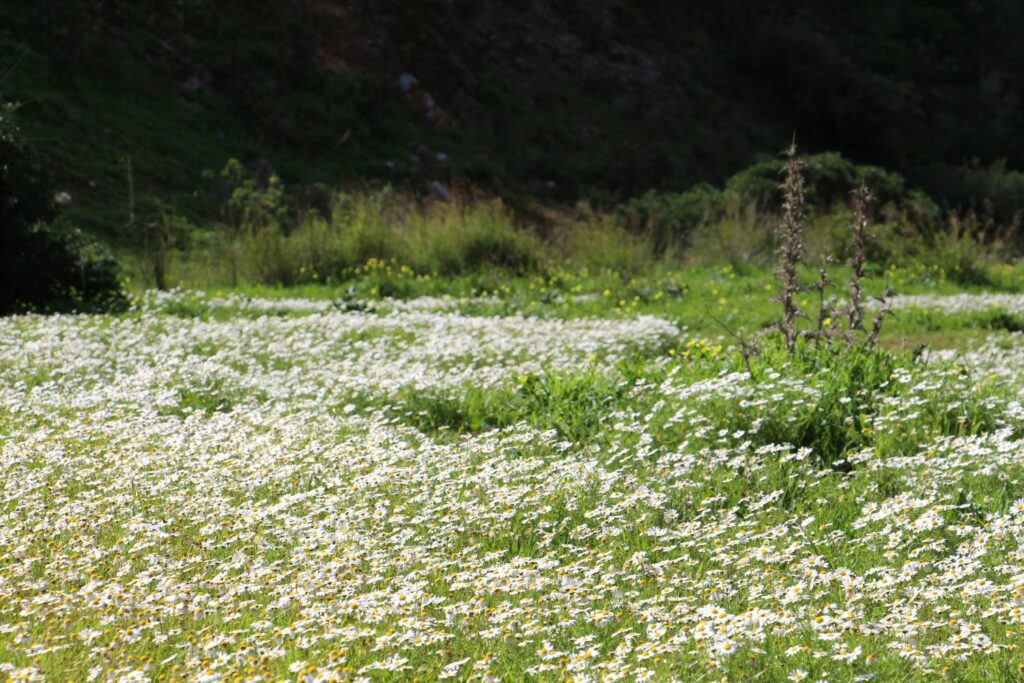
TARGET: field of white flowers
(273,490)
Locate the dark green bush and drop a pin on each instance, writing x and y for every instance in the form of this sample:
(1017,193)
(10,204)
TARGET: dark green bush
(829,180)
(43,267)
(995,188)
(704,218)
(668,218)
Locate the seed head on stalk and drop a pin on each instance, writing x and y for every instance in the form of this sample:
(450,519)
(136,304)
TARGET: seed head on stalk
(791,244)
(862,199)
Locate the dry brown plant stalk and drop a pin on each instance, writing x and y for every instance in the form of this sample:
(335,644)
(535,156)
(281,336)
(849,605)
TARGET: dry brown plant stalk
(791,245)
(862,199)
(885,310)
(825,308)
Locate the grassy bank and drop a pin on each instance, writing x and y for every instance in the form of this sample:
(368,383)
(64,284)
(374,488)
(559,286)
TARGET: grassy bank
(265,243)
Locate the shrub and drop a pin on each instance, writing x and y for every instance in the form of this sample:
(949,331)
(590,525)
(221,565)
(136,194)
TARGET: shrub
(252,203)
(965,251)
(670,218)
(730,224)
(968,188)
(43,267)
(962,247)
(829,181)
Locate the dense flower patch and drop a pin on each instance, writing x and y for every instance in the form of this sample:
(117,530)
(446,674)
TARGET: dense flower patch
(233,499)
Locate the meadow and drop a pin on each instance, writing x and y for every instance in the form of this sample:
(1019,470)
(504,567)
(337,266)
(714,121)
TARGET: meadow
(391,341)
(560,477)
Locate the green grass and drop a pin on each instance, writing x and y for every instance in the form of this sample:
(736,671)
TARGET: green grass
(699,297)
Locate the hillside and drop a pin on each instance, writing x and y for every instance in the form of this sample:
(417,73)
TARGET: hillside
(553,99)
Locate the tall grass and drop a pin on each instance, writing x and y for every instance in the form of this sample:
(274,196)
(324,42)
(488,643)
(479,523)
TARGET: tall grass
(434,238)
(280,248)
(601,244)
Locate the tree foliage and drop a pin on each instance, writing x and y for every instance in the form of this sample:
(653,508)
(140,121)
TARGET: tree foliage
(41,267)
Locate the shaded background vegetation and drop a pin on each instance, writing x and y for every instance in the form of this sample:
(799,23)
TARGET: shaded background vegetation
(44,265)
(660,114)
(561,97)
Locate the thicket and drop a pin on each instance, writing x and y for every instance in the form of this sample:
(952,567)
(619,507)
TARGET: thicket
(735,223)
(265,236)
(271,234)
(44,265)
